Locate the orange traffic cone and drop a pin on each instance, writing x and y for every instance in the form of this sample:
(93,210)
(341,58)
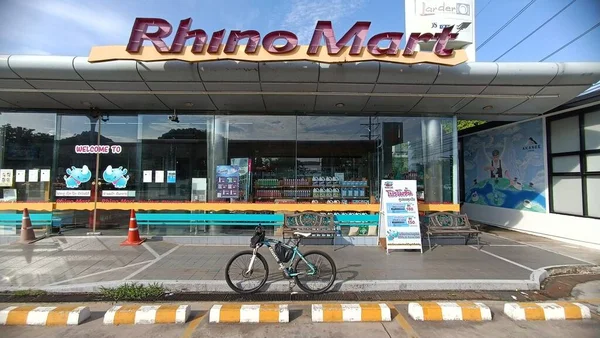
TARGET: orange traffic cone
(133,237)
(27,234)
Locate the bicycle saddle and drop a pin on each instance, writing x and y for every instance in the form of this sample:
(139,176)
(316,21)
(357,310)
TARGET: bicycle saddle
(302,234)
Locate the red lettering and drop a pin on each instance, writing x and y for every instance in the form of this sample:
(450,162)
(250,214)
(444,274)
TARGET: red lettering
(235,36)
(413,40)
(269,42)
(139,33)
(215,41)
(324,29)
(442,40)
(184,33)
(392,49)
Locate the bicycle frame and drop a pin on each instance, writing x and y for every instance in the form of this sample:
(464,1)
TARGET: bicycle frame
(267,242)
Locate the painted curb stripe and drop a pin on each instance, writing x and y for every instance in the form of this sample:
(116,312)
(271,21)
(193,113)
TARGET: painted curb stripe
(445,311)
(249,313)
(547,311)
(44,315)
(147,314)
(362,312)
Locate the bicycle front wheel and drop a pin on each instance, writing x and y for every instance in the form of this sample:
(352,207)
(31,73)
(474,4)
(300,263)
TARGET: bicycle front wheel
(316,279)
(242,280)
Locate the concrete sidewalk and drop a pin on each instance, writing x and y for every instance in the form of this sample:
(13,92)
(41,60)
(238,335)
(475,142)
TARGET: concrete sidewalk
(72,264)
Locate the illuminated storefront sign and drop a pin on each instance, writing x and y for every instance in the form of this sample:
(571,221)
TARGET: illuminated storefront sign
(279,45)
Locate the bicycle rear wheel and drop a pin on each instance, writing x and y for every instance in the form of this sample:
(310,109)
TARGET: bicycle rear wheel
(322,278)
(239,279)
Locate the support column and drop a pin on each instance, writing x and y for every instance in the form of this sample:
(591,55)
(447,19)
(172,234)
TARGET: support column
(432,137)
(217,151)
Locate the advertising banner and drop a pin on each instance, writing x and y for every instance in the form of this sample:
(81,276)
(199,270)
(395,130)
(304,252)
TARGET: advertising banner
(399,215)
(228,181)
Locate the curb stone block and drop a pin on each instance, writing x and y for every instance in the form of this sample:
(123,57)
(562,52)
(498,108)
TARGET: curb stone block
(249,313)
(147,314)
(445,311)
(365,312)
(547,311)
(44,315)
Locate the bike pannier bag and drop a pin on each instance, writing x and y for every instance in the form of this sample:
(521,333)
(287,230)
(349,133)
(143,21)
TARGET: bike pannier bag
(284,254)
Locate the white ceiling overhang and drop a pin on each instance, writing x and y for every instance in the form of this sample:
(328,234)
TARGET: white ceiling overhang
(482,90)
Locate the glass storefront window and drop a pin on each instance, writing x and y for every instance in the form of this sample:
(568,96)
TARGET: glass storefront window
(174,157)
(26,153)
(335,155)
(305,159)
(419,148)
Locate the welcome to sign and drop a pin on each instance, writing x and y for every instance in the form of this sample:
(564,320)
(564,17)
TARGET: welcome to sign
(277,45)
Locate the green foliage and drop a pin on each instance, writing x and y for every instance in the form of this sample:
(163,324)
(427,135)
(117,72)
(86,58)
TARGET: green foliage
(464,124)
(30,293)
(134,291)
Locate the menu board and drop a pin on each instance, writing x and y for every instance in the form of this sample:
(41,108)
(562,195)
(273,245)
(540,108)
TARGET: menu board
(399,215)
(228,181)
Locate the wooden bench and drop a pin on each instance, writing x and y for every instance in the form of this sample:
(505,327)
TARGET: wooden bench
(194,220)
(445,224)
(321,226)
(11,222)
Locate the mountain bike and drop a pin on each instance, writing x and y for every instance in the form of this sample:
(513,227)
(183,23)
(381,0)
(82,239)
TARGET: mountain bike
(248,271)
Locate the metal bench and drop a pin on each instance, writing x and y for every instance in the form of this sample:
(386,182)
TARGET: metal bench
(11,222)
(362,225)
(321,226)
(194,220)
(445,224)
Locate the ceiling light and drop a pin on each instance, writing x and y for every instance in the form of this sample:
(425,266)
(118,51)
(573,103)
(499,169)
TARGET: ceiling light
(189,104)
(488,107)
(339,105)
(87,104)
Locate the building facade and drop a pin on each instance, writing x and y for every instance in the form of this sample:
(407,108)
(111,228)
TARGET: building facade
(550,175)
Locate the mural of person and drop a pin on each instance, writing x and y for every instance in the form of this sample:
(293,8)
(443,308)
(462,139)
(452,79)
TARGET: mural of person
(495,167)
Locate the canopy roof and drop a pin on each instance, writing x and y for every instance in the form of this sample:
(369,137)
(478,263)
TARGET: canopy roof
(482,90)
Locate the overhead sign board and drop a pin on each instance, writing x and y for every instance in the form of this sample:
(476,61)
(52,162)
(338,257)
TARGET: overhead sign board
(280,45)
(436,15)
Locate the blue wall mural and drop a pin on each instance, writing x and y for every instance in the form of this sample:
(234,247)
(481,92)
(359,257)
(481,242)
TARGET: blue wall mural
(504,167)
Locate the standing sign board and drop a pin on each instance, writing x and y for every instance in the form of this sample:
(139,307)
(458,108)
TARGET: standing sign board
(399,215)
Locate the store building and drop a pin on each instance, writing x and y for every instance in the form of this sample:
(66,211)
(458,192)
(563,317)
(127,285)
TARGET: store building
(550,179)
(301,131)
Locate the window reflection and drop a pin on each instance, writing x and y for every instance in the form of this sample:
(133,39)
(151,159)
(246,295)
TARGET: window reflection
(179,149)
(26,148)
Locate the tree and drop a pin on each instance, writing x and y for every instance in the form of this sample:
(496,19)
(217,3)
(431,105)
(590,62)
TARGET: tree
(464,124)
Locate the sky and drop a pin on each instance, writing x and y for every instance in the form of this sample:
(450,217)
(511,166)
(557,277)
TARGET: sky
(72,27)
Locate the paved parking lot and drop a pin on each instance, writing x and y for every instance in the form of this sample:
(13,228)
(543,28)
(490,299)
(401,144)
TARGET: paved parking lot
(72,261)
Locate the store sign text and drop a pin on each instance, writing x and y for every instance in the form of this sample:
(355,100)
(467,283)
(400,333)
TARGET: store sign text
(278,45)
(98,149)
(323,31)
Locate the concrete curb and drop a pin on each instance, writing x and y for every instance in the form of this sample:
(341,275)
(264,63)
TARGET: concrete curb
(336,313)
(546,311)
(147,314)
(210,286)
(446,311)
(540,275)
(44,315)
(249,313)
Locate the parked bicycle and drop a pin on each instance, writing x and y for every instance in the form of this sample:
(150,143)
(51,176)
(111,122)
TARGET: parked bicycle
(248,271)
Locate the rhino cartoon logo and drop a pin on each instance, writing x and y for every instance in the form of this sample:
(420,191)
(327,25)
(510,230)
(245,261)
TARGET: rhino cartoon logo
(116,176)
(76,176)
